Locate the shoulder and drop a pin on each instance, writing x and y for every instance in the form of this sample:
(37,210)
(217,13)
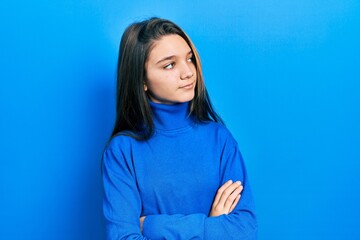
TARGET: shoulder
(120,143)
(118,152)
(219,128)
(220,132)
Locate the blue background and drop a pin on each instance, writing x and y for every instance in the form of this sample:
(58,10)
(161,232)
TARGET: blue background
(284,75)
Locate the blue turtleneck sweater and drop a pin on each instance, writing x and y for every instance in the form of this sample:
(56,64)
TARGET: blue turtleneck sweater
(172,179)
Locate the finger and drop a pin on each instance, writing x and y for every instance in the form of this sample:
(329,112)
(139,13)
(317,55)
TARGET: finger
(142,219)
(231,198)
(227,192)
(242,188)
(220,192)
(236,201)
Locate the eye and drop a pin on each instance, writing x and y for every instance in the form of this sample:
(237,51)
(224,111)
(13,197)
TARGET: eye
(169,66)
(190,59)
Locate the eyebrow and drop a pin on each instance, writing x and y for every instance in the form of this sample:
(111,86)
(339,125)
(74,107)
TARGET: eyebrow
(171,57)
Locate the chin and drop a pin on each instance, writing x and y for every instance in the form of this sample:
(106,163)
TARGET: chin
(187,98)
(176,99)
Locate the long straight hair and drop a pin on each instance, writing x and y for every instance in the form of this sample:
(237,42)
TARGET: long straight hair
(133,111)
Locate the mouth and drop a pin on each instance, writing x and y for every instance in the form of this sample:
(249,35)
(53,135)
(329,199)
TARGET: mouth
(188,86)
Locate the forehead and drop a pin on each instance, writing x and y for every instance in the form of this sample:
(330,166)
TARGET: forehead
(169,45)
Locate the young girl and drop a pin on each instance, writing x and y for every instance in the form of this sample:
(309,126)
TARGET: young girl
(171,170)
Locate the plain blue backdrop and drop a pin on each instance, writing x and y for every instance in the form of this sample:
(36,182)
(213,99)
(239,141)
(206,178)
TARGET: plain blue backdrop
(284,75)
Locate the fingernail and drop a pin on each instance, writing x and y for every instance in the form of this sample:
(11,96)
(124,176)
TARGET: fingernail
(238,182)
(229,182)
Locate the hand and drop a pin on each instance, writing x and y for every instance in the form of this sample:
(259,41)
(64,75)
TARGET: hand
(226,199)
(142,219)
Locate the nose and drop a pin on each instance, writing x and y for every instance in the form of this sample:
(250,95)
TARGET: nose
(186,72)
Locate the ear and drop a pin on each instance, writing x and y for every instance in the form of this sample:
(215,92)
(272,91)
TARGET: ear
(145,87)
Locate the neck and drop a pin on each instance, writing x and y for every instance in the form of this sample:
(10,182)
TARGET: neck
(170,117)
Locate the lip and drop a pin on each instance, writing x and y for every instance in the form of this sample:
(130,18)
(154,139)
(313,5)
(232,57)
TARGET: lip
(188,86)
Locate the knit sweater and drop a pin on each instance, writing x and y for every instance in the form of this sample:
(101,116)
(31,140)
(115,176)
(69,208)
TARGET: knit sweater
(172,179)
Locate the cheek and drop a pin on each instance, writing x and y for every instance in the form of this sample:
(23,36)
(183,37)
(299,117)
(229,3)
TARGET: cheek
(193,69)
(152,78)
(160,78)
(158,82)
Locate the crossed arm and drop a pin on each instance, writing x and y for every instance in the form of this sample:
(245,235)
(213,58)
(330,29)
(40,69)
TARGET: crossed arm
(226,199)
(231,214)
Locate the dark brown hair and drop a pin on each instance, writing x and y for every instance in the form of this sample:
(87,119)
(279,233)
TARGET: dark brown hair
(133,111)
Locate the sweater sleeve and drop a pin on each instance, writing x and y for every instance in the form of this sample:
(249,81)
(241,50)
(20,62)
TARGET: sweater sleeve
(239,224)
(122,203)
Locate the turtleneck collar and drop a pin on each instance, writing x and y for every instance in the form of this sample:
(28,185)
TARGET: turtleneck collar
(170,116)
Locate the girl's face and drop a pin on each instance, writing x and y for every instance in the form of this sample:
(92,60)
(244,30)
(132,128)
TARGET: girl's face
(170,71)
